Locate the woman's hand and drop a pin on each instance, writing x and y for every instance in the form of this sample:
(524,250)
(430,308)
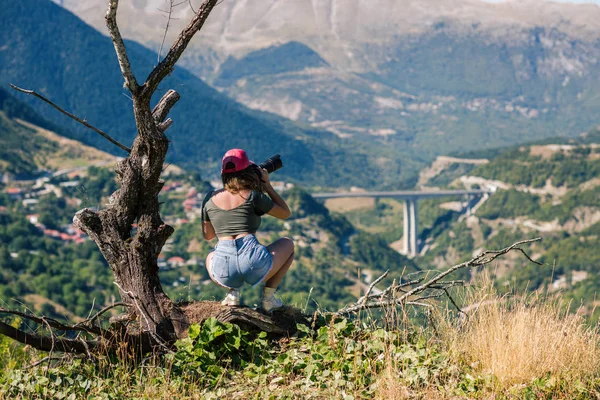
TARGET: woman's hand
(264,177)
(280,208)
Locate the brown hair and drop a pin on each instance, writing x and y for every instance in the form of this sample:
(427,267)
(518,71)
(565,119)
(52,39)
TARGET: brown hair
(246,179)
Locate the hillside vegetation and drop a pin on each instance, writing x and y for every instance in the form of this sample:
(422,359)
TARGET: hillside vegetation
(387,354)
(549,189)
(488,356)
(36,260)
(29,145)
(76,67)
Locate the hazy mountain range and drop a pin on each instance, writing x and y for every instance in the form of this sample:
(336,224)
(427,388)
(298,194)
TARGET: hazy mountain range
(414,79)
(335,28)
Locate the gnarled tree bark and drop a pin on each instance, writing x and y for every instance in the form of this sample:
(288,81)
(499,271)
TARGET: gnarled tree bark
(133,257)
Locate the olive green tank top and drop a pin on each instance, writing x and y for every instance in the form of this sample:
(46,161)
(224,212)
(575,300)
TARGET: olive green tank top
(244,218)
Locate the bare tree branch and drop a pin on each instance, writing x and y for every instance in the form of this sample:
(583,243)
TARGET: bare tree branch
(163,126)
(190,3)
(162,43)
(45,343)
(165,67)
(50,322)
(164,106)
(375,282)
(83,326)
(90,321)
(68,114)
(115,35)
(482,259)
(48,359)
(388,298)
(454,302)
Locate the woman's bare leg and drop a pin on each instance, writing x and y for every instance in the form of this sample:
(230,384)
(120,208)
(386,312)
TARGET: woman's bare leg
(282,251)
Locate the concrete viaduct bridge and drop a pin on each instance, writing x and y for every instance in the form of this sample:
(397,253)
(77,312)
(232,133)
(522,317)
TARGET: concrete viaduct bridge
(411,197)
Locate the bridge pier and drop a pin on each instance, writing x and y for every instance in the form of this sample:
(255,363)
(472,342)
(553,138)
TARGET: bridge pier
(411,223)
(410,197)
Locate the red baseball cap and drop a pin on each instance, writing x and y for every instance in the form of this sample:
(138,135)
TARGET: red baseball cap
(234,160)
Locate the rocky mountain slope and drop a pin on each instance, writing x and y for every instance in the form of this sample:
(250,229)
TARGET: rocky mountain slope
(335,28)
(414,79)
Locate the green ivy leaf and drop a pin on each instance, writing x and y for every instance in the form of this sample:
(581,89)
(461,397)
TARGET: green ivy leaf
(194,331)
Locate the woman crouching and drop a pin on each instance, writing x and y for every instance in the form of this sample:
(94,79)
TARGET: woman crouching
(233,215)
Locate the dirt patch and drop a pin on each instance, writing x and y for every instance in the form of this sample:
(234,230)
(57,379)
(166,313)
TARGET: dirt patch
(469,181)
(350,204)
(443,162)
(589,185)
(398,245)
(452,205)
(194,246)
(202,310)
(582,218)
(548,189)
(547,151)
(476,233)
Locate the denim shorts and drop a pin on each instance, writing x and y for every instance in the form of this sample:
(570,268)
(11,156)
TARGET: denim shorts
(236,261)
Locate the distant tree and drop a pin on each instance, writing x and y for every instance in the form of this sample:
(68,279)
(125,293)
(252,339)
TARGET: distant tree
(47,220)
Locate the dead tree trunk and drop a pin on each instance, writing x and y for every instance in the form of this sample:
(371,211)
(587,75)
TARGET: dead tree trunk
(133,257)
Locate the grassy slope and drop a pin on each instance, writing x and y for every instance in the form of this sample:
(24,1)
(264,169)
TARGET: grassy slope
(29,143)
(489,356)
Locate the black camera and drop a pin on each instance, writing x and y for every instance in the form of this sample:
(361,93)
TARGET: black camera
(271,165)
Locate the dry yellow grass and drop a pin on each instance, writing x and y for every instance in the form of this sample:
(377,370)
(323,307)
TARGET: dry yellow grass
(71,153)
(518,340)
(389,387)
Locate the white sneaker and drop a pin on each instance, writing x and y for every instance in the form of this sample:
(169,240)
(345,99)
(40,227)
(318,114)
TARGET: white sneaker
(232,298)
(272,303)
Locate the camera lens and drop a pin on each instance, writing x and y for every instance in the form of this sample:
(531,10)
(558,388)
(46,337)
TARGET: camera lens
(272,164)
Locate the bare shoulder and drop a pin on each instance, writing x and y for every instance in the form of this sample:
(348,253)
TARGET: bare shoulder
(218,192)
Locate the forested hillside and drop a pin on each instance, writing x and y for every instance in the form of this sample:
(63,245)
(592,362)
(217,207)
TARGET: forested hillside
(56,272)
(552,191)
(70,62)
(549,189)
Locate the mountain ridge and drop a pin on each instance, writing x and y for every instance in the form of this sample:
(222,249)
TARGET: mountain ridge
(238,27)
(414,79)
(65,59)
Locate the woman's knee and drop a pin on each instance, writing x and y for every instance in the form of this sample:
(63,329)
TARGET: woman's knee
(289,244)
(282,245)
